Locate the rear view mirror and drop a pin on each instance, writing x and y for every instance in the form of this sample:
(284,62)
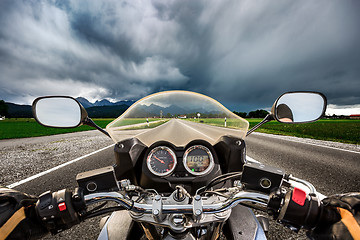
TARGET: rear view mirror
(58,112)
(299,107)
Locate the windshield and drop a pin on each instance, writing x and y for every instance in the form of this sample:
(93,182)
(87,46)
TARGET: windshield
(177,117)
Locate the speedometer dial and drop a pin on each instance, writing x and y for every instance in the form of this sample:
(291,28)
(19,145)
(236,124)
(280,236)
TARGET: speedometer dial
(161,161)
(198,160)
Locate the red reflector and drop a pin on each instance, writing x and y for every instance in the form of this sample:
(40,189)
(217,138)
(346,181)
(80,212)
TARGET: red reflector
(62,206)
(299,196)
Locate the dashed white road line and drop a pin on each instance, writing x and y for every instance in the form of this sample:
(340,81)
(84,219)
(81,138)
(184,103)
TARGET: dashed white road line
(55,168)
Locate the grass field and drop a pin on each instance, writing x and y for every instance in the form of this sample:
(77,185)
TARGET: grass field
(131,121)
(347,131)
(28,127)
(152,124)
(220,122)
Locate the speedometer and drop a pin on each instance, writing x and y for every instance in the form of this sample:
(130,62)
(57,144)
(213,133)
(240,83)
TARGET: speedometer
(161,161)
(198,160)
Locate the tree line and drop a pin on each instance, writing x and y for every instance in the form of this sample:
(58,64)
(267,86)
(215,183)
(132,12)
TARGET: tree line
(3,108)
(260,113)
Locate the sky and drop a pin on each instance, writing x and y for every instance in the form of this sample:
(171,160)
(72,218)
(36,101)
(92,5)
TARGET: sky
(243,53)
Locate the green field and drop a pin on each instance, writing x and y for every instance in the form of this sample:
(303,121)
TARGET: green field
(347,131)
(28,127)
(131,121)
(230,122)
(339,130)
(152,124)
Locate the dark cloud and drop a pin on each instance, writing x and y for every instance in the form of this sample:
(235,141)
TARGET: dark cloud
(243,53)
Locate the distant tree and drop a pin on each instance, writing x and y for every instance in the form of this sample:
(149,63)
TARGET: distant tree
(3,108)
(241,114)
(260,113)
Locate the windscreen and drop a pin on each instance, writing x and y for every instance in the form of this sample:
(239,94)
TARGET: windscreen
(178,117)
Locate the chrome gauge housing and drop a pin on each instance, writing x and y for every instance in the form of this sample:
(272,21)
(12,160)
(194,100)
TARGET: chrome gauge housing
(198,160)
(161,161)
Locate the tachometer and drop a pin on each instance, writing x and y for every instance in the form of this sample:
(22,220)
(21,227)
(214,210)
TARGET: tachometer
(198,160)
(161,161)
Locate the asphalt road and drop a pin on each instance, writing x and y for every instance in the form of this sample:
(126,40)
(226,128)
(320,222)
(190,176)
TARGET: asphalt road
(330,170)
(181,132)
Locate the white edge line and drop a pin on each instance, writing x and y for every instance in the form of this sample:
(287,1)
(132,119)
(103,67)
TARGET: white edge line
(292,140)
(250,159)
(55,168)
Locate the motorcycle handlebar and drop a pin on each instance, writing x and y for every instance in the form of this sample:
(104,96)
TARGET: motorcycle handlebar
(292,208)
(254,197)
(61,210)
(287,207)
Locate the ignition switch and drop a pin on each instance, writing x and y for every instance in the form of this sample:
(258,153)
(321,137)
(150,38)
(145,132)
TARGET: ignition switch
(178,219)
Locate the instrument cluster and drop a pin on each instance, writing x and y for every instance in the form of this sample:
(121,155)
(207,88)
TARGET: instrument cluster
(197,160)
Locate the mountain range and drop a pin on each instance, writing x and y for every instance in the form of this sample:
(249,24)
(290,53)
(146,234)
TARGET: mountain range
(107,109)
(98,109)
(104,102)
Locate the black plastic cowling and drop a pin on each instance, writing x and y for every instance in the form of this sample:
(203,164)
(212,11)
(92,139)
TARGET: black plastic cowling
(56,210)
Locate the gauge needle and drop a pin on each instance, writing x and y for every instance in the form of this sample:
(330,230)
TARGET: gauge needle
(159,160)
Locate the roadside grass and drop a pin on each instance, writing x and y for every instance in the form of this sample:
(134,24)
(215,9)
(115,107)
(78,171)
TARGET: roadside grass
(220,122)
(338,130)
(131,121)
(145,126)
(28,127)
(346,131)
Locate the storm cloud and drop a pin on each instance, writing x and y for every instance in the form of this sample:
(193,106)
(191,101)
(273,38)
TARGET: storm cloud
(242,53)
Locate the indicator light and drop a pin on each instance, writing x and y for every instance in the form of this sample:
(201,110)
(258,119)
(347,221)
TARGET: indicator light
(62,206)
(299,196)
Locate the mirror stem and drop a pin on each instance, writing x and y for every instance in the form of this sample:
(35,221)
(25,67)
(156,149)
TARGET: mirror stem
(268,118)
(88,121)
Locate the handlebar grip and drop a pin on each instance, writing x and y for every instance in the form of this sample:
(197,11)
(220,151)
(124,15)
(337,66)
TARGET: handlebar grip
(329,216)
(298,209)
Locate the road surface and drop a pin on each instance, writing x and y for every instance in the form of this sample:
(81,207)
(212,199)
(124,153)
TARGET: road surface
(330,170)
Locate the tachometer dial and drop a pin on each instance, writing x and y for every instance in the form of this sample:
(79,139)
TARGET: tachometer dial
(198,160)
(161,161)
